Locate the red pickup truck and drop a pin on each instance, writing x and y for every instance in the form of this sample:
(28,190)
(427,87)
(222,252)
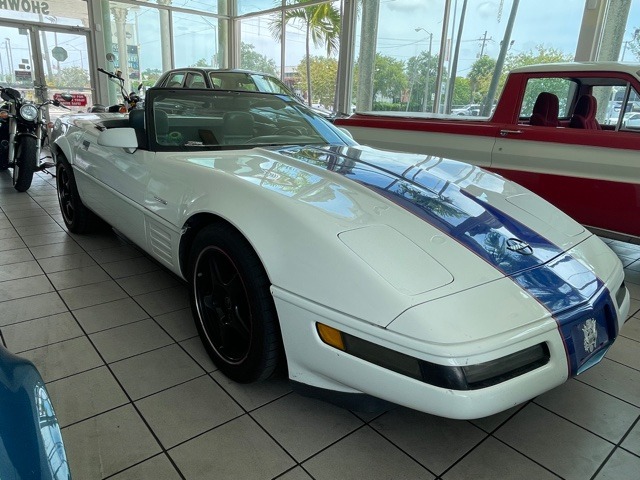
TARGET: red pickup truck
(567,131)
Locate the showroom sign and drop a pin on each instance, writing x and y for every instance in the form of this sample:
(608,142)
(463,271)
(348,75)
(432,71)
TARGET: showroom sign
(28,6)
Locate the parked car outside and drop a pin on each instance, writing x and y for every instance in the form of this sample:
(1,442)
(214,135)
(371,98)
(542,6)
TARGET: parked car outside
(631,120)
(472,110)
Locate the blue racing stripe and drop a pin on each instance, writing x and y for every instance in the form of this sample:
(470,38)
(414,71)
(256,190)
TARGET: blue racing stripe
(570,291)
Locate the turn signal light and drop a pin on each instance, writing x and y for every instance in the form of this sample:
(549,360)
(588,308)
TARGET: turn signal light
(4,114)
(330,336)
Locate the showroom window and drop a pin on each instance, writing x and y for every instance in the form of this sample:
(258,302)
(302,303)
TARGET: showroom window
(134,33)
(310,32)
(259,49)
(620,39)
(157,38)
(196,41)
(479,35)
(210,6)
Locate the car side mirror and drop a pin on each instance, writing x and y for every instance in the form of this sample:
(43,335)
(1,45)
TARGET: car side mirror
(119,137)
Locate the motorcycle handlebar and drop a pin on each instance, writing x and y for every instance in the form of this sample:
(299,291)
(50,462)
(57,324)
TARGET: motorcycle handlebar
(112,75)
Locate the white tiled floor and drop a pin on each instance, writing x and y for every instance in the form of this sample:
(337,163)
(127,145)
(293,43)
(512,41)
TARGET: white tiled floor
(138,398)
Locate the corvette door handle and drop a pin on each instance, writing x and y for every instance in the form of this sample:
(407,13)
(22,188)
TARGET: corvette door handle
(86,144)
(504,133)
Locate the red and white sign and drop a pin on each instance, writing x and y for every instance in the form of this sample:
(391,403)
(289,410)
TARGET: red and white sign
(78,100)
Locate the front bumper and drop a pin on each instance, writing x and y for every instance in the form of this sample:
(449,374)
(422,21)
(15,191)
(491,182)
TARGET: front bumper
(571,350)
(314,363)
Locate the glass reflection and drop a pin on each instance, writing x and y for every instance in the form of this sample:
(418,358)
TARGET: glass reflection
(51,435)
(478,225)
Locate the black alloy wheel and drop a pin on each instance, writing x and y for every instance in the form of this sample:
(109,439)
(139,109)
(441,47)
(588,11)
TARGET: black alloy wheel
(232,305)
(76,216)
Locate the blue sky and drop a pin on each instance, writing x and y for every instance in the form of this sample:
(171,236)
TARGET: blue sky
(552,23)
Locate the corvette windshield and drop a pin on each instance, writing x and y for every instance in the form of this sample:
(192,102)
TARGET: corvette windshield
(189,119)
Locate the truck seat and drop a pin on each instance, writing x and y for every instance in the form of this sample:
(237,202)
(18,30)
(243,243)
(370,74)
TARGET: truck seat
(584,114)
(545,111)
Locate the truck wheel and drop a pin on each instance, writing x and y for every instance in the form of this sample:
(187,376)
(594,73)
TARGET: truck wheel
(26,162)
(232,306)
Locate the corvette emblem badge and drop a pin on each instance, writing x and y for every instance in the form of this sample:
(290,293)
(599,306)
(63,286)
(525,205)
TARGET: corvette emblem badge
(518,246)
(590,335)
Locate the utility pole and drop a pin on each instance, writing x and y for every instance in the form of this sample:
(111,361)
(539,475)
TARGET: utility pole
(484,41)
(504,46)
(454,65)
(428,65)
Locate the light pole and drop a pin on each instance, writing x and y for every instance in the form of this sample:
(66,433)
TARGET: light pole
(2,79)
(426,77)
(7,45)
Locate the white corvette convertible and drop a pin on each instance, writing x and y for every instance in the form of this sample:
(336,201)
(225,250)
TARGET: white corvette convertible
(368,275)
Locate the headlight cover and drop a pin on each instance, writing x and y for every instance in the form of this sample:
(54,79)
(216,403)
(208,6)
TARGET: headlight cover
(29,112)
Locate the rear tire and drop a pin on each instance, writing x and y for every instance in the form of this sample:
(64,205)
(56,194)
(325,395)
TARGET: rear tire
(26,162)
(232,306)
(77,217)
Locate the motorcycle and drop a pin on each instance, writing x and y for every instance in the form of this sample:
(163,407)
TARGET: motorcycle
(22,132)
(130,99)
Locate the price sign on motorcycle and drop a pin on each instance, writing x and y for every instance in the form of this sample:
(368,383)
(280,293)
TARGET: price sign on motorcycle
(78,100)
(59,53)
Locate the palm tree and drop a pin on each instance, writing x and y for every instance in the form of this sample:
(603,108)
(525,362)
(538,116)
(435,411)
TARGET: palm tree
(322,25)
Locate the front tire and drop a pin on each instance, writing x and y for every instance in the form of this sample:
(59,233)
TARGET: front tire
(232,305)
(25,164)
(4,146)
(77,217)
(4,157)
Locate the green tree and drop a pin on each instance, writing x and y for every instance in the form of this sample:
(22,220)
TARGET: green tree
(462,92)
(252,60)
(322,27)
(419,68)
(389,79)
(71,77)
(480,78)
(539,54)
(201,63)
(324,72)
(632,45)
(150,76)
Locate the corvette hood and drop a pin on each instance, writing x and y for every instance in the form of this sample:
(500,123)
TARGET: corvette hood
(481,213)
(508,227)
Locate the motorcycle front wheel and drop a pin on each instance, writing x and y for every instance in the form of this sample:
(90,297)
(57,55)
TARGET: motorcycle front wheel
(25,164)
(4,147)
